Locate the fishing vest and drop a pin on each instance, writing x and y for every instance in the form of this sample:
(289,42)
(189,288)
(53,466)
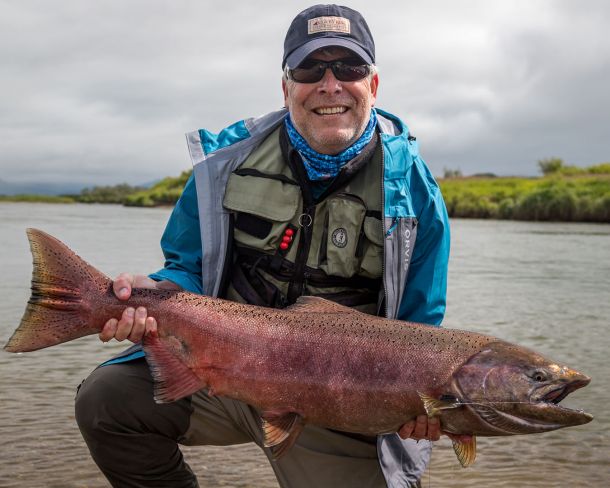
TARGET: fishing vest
(287,244)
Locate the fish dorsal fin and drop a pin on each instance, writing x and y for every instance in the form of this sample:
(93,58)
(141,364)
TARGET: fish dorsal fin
(280,431)
(309,304)
(466,452)
(433,406)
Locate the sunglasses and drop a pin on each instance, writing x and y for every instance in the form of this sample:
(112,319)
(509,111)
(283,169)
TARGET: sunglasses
(312,70)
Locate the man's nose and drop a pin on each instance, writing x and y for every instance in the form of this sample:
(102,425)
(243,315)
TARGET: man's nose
(328,83)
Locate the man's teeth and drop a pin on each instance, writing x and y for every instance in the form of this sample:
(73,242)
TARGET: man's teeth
(330,110)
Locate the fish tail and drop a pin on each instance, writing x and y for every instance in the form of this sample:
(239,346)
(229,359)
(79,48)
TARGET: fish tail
(63,286)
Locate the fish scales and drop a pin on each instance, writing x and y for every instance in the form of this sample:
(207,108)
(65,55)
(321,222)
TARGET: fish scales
(313,362)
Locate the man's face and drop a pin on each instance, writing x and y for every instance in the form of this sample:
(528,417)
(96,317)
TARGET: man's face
(330,114)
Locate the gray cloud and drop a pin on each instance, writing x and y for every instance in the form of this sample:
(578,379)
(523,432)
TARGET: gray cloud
(102,92)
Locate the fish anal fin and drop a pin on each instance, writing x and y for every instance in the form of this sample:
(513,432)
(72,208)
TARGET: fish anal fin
(309,304)
(173,379)
(280,431)
(434,406)
(466,452)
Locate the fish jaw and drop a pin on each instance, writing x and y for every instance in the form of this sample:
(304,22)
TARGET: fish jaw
(506,390)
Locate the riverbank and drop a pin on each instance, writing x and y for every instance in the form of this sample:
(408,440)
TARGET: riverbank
(556,197)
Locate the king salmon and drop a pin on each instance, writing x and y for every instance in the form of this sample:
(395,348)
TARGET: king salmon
(313,362)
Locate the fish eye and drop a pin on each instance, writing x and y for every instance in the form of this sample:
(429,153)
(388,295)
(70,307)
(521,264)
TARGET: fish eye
(539,376)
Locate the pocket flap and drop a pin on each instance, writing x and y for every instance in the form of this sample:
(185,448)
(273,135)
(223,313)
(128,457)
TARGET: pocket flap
(265,197)
(373,230)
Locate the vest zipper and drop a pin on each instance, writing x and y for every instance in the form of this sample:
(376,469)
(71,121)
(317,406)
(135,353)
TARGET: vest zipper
(383,276)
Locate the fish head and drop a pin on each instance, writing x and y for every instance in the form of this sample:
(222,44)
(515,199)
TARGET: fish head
(509,389)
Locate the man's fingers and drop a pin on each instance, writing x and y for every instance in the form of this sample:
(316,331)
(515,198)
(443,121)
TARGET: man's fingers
(434,429)
(139,325)
(108,330)
(125,324)
(151,325)
(122,286)
(421,427)
(407,429)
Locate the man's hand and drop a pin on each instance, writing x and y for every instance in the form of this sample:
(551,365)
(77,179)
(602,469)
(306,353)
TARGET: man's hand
(421,427)
(134,323)
(424,427)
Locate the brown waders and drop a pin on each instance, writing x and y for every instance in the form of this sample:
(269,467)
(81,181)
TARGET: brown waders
(134,440)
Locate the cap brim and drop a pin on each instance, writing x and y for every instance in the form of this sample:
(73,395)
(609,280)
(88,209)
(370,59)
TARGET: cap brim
(297,56)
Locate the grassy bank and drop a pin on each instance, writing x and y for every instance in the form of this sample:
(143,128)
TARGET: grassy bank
(551,198)
(165,192)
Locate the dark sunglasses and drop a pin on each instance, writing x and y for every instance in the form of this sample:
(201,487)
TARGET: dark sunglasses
(312,70)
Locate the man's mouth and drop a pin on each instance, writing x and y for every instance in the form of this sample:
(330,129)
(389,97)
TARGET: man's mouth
(330,110)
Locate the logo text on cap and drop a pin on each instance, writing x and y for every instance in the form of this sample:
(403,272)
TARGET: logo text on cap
(328,24)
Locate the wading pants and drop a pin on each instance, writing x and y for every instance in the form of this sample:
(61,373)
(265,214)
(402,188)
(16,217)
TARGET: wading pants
(134,440)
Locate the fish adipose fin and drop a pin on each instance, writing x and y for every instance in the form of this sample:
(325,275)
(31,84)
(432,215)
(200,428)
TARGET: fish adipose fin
(281,431)
(173,379)
(63,284)
(466,452)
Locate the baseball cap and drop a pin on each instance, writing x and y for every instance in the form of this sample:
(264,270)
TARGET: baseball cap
(327,25)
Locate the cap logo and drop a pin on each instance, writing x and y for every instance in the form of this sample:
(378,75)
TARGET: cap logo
(328,24)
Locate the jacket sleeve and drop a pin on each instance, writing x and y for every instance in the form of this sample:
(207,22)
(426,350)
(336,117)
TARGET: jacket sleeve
(424,298)
(181,243)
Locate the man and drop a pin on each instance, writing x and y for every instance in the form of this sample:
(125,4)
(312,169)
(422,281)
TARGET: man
(326,197)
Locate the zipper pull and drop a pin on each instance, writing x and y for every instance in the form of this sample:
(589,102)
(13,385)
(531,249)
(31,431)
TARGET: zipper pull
(393,226)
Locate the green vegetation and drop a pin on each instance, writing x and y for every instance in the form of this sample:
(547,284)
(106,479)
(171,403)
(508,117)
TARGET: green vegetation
(107,194)
(554,198)
(166,192)
(565,193)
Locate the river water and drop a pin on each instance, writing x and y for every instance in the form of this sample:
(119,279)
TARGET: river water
(543,285)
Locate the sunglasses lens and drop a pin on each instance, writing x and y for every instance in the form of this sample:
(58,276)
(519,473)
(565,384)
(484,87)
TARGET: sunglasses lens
(347,72)
(311,71)
(308,72)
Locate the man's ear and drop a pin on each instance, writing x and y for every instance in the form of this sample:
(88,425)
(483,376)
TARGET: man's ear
(374,85)
(285,90)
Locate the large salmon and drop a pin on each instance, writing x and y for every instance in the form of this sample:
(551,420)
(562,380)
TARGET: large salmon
(313,362)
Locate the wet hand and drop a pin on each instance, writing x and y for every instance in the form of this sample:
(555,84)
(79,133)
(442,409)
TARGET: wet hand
(420,428)
(134,322)
(424,427)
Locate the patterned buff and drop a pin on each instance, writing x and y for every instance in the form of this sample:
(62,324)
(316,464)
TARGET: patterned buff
(323,166)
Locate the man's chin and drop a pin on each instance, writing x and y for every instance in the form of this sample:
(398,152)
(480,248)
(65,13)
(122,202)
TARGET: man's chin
(332,142)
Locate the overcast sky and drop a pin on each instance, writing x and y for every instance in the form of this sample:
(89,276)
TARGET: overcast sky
(102,92)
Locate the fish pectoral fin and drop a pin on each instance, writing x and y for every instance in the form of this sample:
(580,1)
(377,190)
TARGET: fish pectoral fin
(281,431)
(434,406)
(466,452)
(173,379)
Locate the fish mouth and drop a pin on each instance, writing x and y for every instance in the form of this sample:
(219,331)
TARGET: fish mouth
(557,394)
(553,396)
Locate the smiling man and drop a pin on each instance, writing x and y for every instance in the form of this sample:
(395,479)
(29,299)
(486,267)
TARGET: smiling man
(326,197)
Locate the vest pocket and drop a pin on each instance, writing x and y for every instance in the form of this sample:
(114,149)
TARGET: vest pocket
(263,206)
(372,248)
(342,233)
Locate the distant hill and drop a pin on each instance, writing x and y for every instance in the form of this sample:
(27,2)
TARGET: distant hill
(12,188)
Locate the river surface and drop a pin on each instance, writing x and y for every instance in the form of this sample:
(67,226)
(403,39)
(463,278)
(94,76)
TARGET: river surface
(543,285)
